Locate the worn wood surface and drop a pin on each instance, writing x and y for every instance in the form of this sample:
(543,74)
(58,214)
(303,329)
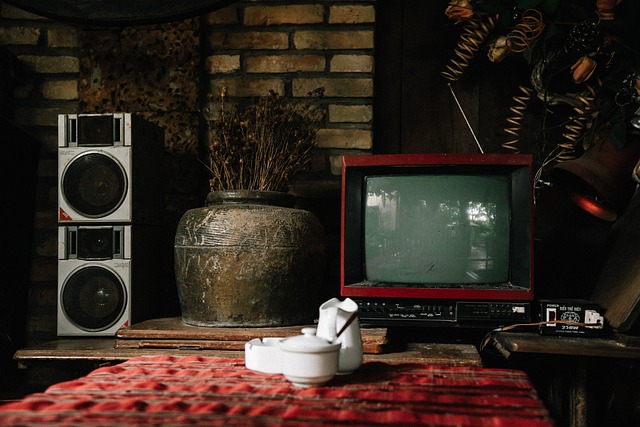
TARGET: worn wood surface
(618,346)
(101,350)
(174,333)
(569,369)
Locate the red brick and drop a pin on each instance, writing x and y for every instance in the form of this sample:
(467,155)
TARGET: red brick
(19,36)
(60,89)
(335,87)
(222,63)
(350,113)
(345,139)
(238,87)
(52,64)
(361,39)
(352,14)
(226,15)
(352,63)
(249,40)
(284,63)
(289,14)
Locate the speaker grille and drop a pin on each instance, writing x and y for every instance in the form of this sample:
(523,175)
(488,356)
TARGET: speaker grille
(93,298)
(94,184)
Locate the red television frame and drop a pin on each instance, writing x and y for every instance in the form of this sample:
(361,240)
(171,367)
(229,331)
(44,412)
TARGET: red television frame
(519,169)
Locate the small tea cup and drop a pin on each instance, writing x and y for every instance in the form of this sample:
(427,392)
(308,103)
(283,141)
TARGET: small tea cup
(309,360)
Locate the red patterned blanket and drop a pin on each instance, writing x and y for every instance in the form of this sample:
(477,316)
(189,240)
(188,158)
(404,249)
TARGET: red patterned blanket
(176,391)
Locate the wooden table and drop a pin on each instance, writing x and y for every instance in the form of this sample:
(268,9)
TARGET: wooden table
(68,358)
(617,346)
(569,362)
(173,337)
(103,350)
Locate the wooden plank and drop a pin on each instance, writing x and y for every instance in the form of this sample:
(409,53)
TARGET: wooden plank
(449,354)
(104,350)
(174,333)
(513,342)
(207,345)
(175,328)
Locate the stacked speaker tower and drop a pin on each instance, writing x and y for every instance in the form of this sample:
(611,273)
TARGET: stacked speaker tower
(110,212)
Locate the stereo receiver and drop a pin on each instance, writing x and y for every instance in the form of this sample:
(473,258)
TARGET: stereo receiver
(442,312)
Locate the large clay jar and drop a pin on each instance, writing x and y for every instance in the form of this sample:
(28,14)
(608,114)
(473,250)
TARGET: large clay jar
(248,259)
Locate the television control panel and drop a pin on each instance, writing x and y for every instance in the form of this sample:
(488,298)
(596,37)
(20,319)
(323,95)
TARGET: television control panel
(376,312)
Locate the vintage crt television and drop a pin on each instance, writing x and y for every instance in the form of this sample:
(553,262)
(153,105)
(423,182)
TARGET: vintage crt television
(438,239)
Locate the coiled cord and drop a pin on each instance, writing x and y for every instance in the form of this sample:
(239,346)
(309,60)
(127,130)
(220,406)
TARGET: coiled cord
(474,32)
(576,126)
(515,120)
(530,27)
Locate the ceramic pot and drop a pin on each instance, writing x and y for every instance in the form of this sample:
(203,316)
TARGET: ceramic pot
(248,259)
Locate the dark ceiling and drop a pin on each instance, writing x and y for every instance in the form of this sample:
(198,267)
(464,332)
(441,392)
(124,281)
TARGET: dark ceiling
(118,12)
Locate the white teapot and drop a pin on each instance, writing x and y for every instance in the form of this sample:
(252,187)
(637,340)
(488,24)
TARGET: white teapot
(334,316)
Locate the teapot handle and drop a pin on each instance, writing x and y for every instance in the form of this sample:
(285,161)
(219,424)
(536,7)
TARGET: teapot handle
(351,318)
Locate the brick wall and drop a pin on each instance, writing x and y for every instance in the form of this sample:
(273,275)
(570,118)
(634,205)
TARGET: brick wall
(250,47)
(46,84)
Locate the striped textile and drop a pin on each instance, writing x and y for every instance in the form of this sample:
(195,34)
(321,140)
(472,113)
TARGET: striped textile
(201,391)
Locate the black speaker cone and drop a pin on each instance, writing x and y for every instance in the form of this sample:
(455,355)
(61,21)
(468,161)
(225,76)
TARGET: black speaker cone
(94,184)
(94,298)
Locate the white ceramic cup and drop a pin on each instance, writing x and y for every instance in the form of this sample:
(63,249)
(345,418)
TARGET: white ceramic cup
(309,360)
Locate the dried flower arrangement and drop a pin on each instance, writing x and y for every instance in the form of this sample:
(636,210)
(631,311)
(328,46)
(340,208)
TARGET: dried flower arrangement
(583,54)
(263,145)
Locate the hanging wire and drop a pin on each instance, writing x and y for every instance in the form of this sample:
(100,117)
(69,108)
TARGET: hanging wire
(464,116)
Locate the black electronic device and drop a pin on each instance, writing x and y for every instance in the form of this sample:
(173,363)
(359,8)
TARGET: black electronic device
(485,314)
(571,317)
(109,169)
(110,276)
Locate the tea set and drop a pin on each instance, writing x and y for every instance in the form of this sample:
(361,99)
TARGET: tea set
(313,358)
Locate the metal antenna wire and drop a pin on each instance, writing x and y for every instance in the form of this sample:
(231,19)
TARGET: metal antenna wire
(465,118)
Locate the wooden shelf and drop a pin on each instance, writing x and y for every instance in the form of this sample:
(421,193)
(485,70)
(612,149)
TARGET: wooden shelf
(617,346)
(104,350)
(170,336)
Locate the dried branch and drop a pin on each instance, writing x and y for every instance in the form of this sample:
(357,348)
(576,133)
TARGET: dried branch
(265,144)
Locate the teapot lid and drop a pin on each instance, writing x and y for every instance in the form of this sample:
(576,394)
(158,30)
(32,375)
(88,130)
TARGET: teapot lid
(308,342)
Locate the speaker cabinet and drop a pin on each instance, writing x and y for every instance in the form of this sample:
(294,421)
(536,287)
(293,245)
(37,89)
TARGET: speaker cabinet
(109,276)
(109,169)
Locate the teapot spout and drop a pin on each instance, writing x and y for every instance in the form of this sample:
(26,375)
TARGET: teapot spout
(327,323)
